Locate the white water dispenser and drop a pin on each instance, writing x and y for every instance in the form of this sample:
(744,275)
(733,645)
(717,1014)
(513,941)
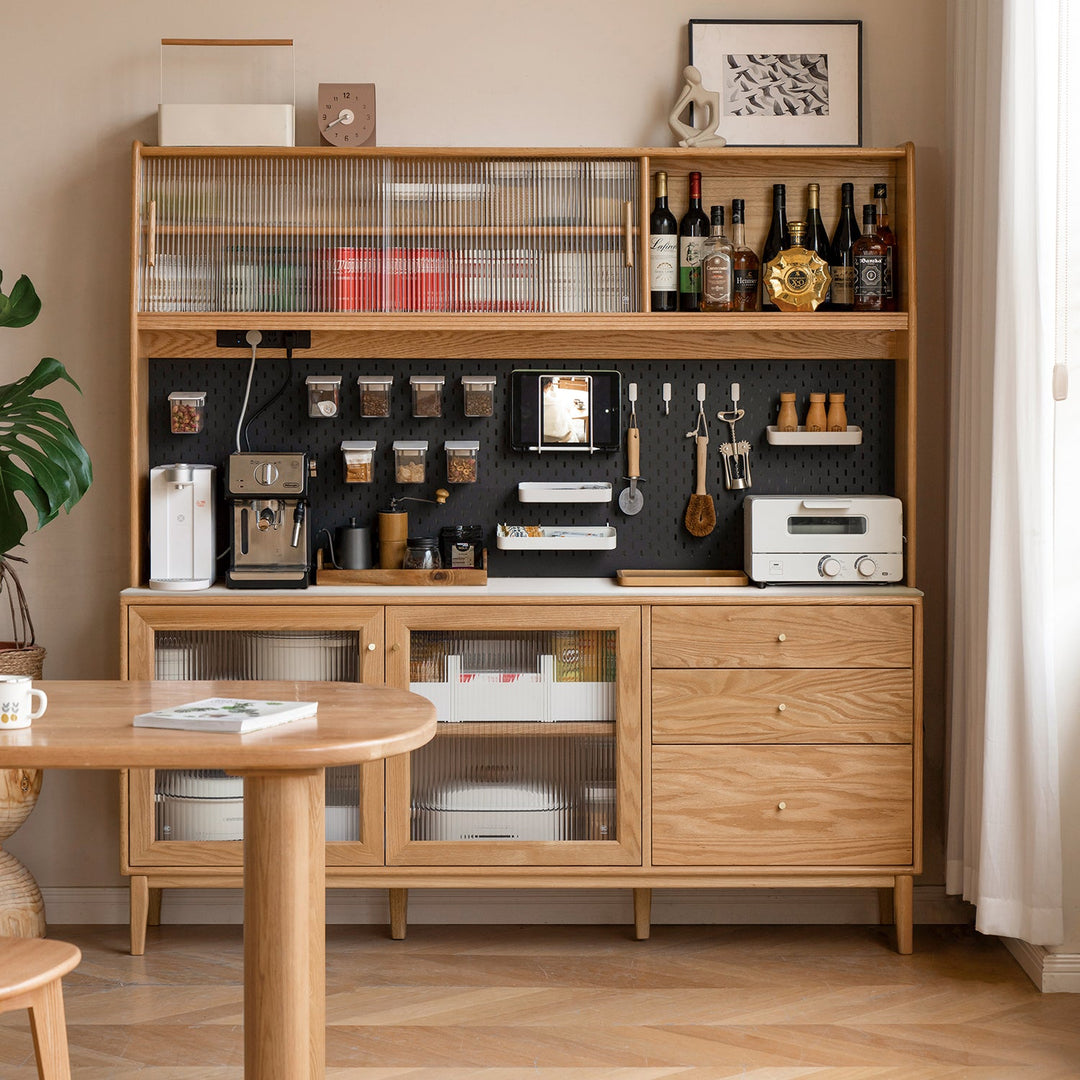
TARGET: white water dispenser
(182,527)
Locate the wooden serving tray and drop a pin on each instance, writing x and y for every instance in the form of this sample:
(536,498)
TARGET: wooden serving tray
(710,579)
(456,576)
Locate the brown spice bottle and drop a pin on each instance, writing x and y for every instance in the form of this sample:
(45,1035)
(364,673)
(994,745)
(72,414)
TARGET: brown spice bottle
(837,418)
(815,415)
(787,419)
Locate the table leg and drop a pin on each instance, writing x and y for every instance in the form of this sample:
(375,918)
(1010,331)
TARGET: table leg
(284,926)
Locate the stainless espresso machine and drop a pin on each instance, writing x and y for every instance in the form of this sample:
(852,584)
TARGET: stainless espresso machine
(268,496)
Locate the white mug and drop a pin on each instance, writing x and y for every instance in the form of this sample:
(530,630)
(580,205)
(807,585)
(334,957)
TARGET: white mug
(16,696)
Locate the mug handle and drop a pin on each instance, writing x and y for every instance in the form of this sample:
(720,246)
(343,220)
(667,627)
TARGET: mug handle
(44,703)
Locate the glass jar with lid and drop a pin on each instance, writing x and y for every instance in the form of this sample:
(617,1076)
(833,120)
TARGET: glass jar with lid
(323,395)
(375,394)
(479,393)
(410,461)
(422,553)
(187,411)
(461,457)
(427,394)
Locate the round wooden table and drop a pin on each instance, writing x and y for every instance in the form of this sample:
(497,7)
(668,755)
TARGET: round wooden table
(88,726)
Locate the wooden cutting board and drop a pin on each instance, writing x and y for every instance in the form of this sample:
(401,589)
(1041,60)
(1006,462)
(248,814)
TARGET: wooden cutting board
(710,579)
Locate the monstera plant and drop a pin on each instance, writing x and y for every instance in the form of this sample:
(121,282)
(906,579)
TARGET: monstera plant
(40,457)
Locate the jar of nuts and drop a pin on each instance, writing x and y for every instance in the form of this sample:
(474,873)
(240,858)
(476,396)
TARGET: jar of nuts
(461,461)
(359,458)
(187,409)
(410,458)
(375,394)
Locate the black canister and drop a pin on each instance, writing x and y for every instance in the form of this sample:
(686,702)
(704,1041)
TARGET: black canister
(462,546)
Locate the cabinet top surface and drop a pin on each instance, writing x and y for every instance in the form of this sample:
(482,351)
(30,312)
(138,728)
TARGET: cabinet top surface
(88,725)
(531,589)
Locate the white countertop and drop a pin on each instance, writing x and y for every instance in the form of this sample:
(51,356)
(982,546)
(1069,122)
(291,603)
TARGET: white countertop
(509,587)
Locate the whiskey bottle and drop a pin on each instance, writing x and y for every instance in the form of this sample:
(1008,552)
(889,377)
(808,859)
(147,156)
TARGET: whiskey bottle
(693,229)
(797,279)
(843,270)
(870,256)
(776,241)
(892,280)
(744,263)
(663,252)
(716,271)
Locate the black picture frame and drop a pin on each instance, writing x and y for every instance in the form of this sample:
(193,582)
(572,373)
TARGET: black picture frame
(782,82)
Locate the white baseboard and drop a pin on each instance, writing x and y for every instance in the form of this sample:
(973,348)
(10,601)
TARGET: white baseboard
(1052,973)
(105,906)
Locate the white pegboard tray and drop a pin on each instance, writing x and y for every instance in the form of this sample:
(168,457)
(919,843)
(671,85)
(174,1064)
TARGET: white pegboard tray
(559,538)
(537,492)
(802,437)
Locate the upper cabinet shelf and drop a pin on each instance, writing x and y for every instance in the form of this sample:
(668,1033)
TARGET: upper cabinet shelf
(358,238)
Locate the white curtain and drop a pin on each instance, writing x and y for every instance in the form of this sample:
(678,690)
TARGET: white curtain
(1004,826)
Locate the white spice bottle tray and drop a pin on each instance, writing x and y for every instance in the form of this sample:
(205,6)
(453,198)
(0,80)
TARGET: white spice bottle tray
(539,492)
(802,437)
(556,538)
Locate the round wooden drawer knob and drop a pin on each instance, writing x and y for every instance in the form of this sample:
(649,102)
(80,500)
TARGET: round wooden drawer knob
(781,637)
(781,707)
(781,806)
(371,647)
(395,647)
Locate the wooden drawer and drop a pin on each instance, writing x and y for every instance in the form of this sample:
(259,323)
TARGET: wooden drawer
(845,705)
(782,636)
(782,806)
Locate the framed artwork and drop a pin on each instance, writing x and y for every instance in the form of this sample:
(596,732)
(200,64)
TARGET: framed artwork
(783,83)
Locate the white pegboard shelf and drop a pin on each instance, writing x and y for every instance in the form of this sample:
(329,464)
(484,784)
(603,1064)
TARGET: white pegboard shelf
(802,437)
(560,538)
(536,492)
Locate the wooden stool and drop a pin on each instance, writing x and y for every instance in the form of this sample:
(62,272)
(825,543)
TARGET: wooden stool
(30,974)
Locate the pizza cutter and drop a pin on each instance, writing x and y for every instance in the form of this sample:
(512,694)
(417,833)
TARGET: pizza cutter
(630,498)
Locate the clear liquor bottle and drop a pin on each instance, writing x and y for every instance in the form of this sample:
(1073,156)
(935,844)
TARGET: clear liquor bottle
(717,277)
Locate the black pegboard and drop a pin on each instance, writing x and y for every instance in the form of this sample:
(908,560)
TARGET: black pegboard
(655,538)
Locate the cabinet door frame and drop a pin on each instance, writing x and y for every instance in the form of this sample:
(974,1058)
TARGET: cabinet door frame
(626,849)
(140,850)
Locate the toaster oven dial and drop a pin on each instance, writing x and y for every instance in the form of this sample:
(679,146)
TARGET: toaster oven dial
(866,566)
(828,566)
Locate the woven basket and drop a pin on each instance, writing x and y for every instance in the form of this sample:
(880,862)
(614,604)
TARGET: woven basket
(21,656)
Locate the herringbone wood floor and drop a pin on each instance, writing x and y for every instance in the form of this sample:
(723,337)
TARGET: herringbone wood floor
(579,1003)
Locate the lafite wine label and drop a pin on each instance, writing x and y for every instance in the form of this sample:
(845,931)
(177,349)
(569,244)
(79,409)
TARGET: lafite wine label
(663,262)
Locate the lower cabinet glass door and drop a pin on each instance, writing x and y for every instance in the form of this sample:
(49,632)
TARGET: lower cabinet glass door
(537,755)
(184,816)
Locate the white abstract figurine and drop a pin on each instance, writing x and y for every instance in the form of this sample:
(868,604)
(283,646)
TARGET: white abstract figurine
(707,111)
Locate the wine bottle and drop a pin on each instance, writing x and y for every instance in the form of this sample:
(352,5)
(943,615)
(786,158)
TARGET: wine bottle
(870,255)
(744,263)
(892,279)
(843,269)
(777,240)
(817,238)
(663,252)
(693,228)
(717,279)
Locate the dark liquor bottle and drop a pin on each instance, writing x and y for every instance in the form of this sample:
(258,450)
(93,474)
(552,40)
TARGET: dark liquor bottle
(870,254)
(777,240)
(744,263)
(817,238)
(892,272)
(663,252)
(717,279)
(693,229)
(843,269)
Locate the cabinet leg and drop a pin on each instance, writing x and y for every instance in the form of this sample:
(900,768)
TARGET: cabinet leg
(140,910)
(153,915)
(399,913)
(885,907)
(904,912)
(642,913)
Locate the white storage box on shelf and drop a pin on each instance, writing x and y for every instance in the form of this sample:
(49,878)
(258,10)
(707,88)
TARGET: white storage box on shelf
(537,492)
(537,697)
(557,538)
(470,810)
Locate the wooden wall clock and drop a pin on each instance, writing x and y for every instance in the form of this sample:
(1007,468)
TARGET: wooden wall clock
(346,114)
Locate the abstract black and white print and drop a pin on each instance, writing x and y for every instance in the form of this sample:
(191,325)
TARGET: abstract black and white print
(770,84)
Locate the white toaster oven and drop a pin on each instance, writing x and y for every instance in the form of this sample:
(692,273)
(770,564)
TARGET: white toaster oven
(802,539)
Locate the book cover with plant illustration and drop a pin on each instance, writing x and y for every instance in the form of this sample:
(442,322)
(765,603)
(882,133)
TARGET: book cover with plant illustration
(237,715)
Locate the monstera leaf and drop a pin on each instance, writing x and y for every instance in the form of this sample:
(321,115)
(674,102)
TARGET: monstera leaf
(40,454)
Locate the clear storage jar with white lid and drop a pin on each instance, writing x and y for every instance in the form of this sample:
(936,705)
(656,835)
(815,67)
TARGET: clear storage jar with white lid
(479,394)
(187,411)
(323,395)
(461,460)
(375,394)
(359,458)
(427,395)
(410,461)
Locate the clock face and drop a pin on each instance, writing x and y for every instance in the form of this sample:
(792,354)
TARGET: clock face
(346,113)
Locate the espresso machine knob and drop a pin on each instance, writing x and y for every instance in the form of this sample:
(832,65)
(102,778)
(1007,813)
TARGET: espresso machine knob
(266,473)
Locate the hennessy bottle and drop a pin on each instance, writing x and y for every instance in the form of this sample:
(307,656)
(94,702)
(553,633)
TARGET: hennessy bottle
(744,263)
(797,279)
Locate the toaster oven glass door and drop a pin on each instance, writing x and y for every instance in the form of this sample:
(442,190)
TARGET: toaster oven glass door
(826,526)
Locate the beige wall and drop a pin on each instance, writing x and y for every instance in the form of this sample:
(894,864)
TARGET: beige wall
(80,81)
